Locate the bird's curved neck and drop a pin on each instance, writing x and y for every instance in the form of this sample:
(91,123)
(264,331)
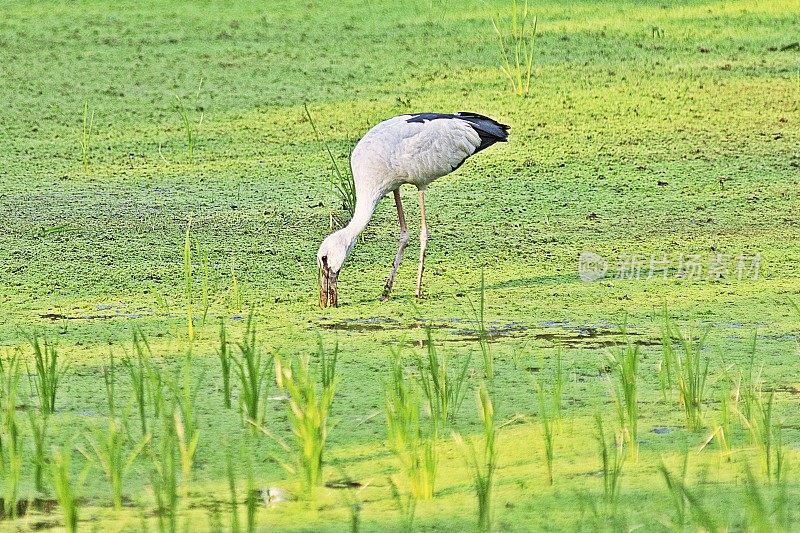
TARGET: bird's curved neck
(365,207)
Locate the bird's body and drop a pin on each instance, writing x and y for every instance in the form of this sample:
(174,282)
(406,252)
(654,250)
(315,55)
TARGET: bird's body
(411,149)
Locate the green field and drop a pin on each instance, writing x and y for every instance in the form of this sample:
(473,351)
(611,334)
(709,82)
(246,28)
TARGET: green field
(668,131)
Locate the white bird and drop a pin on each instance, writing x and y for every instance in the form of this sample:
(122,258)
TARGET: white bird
(414,149)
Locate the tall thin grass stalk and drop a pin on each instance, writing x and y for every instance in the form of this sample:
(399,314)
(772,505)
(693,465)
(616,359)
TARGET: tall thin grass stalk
(235,291)
(138,373)
(225,356)
(612,458)
(485,464)
(110,381)
(753,385)
(234,506)
(110,448)
(762,431)
(517,48)
(188,282)
(187,432)
(204,281)
(479,316)
(665,369)
(188,127)
(86,138)
(164,473)
(764,515)
(444,391)
(546,420)
(309,410)
(39,433)
(407,506)
(559,379)
(675,487)
(253,501)
(253,371)
(48,373)
(415,448)
(685,500)
(342,182)
(728,404)
(690,371)
(625,360)
(10,441)
(66,487)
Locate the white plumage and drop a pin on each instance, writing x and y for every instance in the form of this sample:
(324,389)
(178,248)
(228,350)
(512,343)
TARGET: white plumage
(414,149)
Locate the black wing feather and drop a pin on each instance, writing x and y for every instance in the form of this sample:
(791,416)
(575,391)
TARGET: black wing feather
(489,130)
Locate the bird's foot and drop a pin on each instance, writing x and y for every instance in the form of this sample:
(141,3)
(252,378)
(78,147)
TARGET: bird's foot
(386,293)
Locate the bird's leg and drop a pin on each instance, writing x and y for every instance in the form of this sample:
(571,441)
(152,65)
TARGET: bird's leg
(403,243)
(423,242)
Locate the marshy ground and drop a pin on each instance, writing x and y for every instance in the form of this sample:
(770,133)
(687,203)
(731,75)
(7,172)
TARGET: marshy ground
(665,131)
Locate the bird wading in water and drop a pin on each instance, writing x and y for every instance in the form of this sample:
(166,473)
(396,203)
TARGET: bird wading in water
(414,149)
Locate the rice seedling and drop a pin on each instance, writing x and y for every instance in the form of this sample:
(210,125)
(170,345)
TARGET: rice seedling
(138,373)
(253,500)
(559,380)
(612,458)
(406,506)
(686,500)
(188,127)
(752,391)
(38,424)
(762,432)
(625,360)
(479,317)
(48,373)
(546,419)
(665,369)
(355,517)
(235,293)
(66,487)
(483,465)
(309,410)
(764,515)
(204,285)
(235,527)
(110,382)
(353,501)
(781,460)
(187,434)
(164,473)
(415,448)
(757,515)
(86,138)
(517,39)
(188,282)
(728,405)
(253,371)
(111,449)
(10,441)
(342,182)
(443,390)
(161,301)
(224,354)
(675,487)
(689,369)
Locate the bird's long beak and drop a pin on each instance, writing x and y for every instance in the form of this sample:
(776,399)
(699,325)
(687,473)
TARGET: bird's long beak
(328,295)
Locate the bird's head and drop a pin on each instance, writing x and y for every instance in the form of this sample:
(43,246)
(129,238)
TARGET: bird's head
(331,256)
